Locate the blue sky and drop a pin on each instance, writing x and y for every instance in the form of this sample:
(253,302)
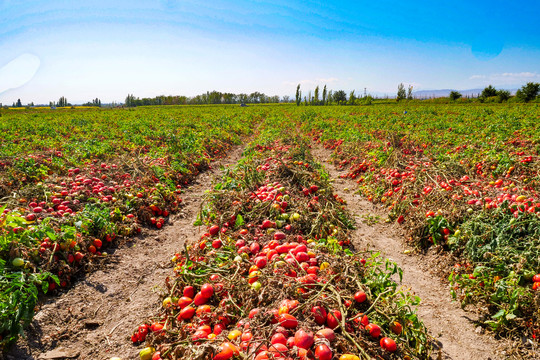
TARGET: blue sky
(108,49)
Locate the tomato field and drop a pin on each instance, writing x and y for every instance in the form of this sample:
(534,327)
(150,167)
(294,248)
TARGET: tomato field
(275,272)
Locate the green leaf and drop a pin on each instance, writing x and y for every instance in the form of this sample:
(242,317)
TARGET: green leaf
(239,221)
(499,314)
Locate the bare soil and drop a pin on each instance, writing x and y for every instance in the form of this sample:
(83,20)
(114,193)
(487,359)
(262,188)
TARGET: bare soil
(453,329)
(95,318)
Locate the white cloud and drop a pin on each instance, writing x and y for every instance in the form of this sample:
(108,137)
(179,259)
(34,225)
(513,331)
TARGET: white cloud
(318,81)
(522,75)
(508,77)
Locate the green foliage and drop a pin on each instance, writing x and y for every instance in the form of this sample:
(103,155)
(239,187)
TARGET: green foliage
(401,93)
(528,92)
(503,95)
(488,91)
(454,95)
(340,97)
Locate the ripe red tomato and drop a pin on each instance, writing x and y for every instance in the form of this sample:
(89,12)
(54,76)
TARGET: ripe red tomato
(288,321)
(388,344)
(360,297)
(303,339)
(536,278)
(374,330)
(189,291)
(323,352)
(186,313)
(214,229)
(333,318)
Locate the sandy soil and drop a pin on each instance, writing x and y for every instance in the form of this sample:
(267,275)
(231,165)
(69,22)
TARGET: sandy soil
(95,318)
(453,328)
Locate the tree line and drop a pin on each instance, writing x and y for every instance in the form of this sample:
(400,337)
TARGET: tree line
(210,97)
(527,93)
(330,97)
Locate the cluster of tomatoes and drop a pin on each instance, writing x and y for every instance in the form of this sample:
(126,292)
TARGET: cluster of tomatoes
(244,305)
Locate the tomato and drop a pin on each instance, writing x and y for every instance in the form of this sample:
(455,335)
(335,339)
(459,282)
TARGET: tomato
(333,318)
(207,291)
(374,330)
(323,352)
(348,357)
(17,262)
(146,353)
(214,229)
(226,353)
(536,278)
(278,338)
(288,321)
(360,297)
(199,299)
(388,344)
(326,333)
(186,313)
(396,328)
(98,243)
(189,291)
(303,339)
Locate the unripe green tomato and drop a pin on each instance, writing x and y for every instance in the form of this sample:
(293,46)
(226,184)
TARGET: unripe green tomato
(146,353)
(17,262)
(256,286)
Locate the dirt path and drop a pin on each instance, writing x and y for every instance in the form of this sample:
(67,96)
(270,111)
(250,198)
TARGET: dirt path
(95,318)
(446,321)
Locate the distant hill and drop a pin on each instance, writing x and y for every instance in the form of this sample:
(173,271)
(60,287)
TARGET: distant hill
(426,94)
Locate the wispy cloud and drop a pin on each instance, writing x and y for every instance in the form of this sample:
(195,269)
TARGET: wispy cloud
(318,81)
(508,77)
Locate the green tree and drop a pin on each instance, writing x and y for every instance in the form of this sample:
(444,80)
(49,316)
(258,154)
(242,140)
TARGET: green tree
(316,96)
(298,95)
(401,93)
(130,100)
(503,95)
(62,102)
(352,98)
(340,97)
(409,93)
(489,91)
(454,95)
(528,92)
(324,93)
(19,104)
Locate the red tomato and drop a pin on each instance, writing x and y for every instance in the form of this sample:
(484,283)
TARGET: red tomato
(360,297)
(278,338)
(207,291)
(319,313)
(288,321)
(303,339)
(374,330)
(323,352)
(186,313)
(388,344)
(199,299)
(333,318)
(226,353)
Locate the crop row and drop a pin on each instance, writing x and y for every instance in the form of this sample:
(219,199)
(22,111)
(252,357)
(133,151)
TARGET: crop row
(462,177)
(274,274)
(75,182)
